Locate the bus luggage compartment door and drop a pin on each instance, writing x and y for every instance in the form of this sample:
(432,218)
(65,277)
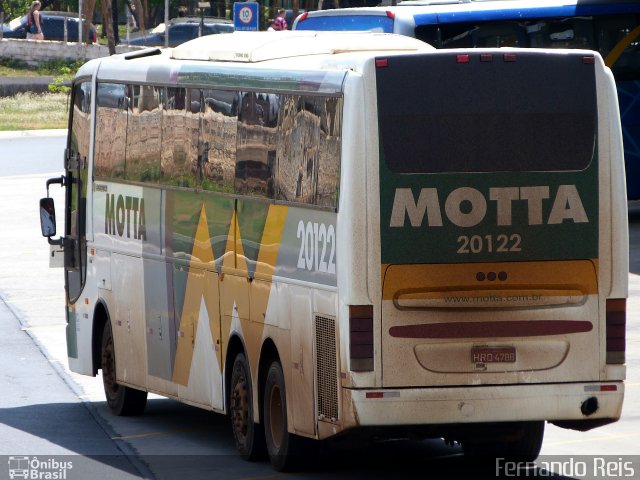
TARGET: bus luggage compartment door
(500,323)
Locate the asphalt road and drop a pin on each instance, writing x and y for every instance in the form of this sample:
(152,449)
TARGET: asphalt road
(45,410)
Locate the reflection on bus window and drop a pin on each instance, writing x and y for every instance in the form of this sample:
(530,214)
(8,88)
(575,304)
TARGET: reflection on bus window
(219,134)
(143,135)
(180,134)
(298,154)
(261,144)
(111,130)
(329,152)
(256,144)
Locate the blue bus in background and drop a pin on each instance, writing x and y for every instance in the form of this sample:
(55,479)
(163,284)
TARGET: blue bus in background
(609,27)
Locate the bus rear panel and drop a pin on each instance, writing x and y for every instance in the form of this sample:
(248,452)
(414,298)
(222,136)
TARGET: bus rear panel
(496,268)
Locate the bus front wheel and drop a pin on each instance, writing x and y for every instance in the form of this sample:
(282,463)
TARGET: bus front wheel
(123,401)
(247,434)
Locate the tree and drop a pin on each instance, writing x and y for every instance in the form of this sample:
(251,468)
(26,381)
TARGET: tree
(107,13)
(89,7)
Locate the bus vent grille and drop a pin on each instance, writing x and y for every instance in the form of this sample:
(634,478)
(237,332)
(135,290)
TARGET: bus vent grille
(326,368)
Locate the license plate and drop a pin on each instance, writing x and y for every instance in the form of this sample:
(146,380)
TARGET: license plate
(493,354)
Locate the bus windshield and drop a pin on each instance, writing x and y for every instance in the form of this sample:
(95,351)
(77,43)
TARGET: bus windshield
(486,117)
(372,23)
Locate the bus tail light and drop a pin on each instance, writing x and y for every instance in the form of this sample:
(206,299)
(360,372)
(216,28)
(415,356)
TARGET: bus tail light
(361,338)
(382,63)
(616,330)
(303,17)
(391,15)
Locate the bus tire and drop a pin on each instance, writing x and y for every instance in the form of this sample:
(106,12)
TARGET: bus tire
(247,434)
(521,444)
(286,450)
(123,401)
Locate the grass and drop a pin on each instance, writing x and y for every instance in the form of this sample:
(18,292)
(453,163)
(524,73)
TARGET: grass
(32,111)
(122,32)
(10,67)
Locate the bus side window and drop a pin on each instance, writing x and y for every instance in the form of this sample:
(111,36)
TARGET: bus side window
(430,34)
(256,144)
(219,137)
(111,130)
(180,134)
(561,33)
(612,29)
(143,135)
(297,152)
(329,152)
(504,34)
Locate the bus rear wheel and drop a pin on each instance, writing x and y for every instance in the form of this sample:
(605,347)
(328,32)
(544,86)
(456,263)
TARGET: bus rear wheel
(246,433)
(123,401)
(522,443)
(286,450)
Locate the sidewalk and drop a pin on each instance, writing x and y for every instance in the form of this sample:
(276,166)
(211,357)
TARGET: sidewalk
(32,133)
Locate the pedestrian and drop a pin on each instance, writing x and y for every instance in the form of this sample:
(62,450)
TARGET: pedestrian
(34,22)
(279,23)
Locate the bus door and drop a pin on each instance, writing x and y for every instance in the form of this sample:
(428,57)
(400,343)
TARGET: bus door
(489,218)
(76,173)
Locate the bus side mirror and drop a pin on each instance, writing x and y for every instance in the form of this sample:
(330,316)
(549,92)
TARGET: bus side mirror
(47,217)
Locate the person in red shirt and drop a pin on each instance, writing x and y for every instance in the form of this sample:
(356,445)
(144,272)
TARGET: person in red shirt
(279,23)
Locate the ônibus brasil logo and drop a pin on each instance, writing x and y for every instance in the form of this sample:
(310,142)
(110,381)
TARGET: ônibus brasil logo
(38,469)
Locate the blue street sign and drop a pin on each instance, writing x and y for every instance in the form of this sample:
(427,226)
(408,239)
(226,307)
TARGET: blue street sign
(245,16)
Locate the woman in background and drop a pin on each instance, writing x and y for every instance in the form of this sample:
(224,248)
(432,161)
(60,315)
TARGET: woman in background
(34,22)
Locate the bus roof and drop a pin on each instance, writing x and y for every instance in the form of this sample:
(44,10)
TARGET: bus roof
(251,47)
(255,56)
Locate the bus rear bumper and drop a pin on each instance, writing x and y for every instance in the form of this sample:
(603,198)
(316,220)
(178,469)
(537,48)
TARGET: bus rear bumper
(590,402)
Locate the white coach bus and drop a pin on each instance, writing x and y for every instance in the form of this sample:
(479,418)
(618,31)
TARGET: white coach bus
(317,233)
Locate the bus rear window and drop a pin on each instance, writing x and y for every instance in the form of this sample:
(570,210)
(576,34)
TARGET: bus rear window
(521,112)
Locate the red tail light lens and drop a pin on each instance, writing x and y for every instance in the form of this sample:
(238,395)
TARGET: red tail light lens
(303,17)
(616,330)
(391,15)
(361,338)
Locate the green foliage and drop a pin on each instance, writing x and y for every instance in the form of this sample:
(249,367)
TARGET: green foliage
(15,8)
(13,63)
(57,85)
(65,68)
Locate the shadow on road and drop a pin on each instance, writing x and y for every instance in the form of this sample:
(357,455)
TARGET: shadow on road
(175,441)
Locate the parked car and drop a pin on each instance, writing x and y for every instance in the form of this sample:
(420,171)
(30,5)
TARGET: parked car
(181,30)
(52,27)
